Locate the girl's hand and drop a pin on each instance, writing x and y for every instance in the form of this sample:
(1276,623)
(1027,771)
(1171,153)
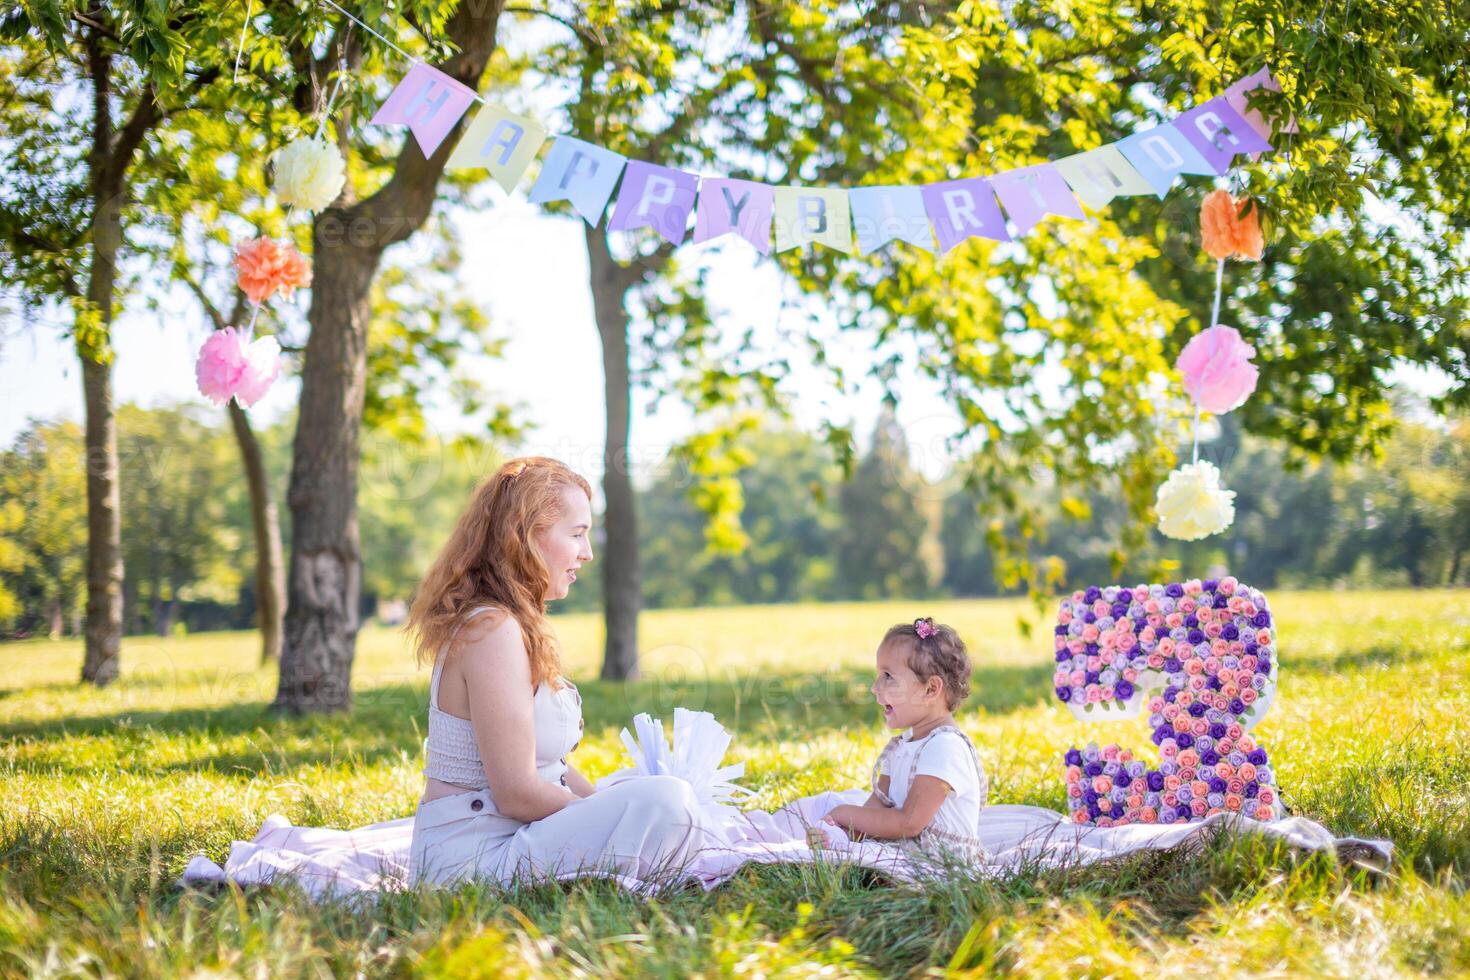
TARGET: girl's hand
(840,816)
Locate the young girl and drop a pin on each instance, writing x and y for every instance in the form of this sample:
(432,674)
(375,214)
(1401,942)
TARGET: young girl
(928,784)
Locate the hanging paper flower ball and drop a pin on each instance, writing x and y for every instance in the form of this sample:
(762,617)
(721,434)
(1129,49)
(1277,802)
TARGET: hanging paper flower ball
(265,266)
(1226,231)
(1217,369)
(228,367)
(1192,505)
(310,173)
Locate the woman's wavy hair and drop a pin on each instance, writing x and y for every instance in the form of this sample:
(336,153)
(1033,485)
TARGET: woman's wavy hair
(491,559)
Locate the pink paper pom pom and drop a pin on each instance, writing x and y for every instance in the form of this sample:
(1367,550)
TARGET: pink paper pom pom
(220,365)
(228,367)
(1217,370)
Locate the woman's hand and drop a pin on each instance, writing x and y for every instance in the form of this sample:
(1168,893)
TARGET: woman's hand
(497,678)
(578,783)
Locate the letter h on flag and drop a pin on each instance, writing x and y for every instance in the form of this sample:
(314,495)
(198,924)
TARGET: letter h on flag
(428,102)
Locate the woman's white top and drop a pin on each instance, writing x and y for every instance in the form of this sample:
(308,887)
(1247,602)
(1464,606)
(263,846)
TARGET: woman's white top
(453,754)
(948,754)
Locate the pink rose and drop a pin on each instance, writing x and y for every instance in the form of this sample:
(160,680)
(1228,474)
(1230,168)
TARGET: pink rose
(1236,786)
(1234,731)
(1266,795)
(1168,750)
(1248,695)
(1126,755)
(1166,646)
(1225,746)
(1186,606)
(1193,587)
(1200,727)
(1148,815)
(1229,691)
(1197,807)
(1074,790)
(1078,596)
(1110,753)
(1126,641)
(1170,711)
(1199,788)
(1170,798)
(1155,660)
(1186,774)
(1227,585)
(1236,648)
(1093,694)
(1100,608)
(1074,774)
(1197,683)
(1089,633)
(1156,620)
(1065,617)
(1248,663)
(1212,630)
(1130,675)
(1108,694)
(1094,662)
(1184,699)
(1078,678)
(1076,647)
(1263,638)
(1104,804)
(1155,705)
(1244,742)
(1174,620)
(1104,821)
(1151,606)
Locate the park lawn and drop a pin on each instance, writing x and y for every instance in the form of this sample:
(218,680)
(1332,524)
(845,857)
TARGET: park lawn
(106,795)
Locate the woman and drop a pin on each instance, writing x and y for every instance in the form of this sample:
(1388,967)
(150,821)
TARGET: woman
(500,800)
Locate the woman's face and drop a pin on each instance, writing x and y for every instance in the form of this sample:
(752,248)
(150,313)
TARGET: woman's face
(567,545)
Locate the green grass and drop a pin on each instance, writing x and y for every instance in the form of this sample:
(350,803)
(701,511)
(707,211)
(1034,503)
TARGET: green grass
(106,794)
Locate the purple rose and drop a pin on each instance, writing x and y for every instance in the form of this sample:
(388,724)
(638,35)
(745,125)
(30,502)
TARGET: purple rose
(1061,630)
(1218,785)
(1197,709)
(1218,730)
(1093,675)
(1095,810)
(1173,665)
(1123,690)
(1064,694)
(1221,602)
(1237,706)
(1092,594)
(1196,637)
(1156,781)
(1229,632)
(1119,610)
(1093,769)
(1089,617)
(1159,735)
(1261,620)
(1185,740)
(1122,779)
(1210,584)
(1251,789)
(1210,758)
(1257,757)
(1174,590)
(1073,757)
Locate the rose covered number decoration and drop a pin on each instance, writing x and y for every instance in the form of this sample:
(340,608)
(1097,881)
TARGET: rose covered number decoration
(1200,656)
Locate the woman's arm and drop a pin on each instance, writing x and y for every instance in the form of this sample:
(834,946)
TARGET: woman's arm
(578,783)
(497,676)
(895,823)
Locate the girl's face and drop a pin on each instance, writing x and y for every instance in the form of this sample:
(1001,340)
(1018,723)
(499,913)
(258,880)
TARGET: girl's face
(906,700)
(566,545)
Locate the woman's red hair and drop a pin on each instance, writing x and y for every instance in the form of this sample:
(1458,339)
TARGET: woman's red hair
(491,559)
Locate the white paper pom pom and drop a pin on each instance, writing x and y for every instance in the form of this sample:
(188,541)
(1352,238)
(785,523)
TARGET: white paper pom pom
(310,173)
(700,743)
(1192,505)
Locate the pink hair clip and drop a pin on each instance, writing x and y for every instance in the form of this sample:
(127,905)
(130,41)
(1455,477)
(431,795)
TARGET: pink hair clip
(924,628)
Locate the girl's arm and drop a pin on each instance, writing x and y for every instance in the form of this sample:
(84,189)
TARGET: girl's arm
(578,783)
(895,823)
(497,676)
(873,798)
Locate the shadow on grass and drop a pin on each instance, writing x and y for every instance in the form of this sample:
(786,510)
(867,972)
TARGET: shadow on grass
(389,720)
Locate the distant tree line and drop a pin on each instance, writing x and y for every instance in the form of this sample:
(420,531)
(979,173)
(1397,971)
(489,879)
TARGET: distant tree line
(806,533)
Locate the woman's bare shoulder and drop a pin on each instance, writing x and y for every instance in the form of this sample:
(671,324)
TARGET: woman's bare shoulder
(492,640)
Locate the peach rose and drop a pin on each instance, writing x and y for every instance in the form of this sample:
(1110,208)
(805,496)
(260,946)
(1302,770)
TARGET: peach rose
(1189,757)
(1247,771)
(1102,784)
(1081,816)
(1148,815)
(1264,812)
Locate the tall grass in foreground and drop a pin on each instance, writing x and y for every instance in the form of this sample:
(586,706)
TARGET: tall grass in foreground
(107,793)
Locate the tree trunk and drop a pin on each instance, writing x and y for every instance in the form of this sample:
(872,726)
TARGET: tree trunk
(57,622)
(270,572)
(621,579)
(103,643)
(324,581)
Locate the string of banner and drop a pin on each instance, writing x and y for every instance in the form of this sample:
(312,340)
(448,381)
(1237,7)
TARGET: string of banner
(1205,140)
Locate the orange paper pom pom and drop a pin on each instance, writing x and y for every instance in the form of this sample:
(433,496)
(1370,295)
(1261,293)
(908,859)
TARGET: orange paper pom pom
(265,267)
(1227,232)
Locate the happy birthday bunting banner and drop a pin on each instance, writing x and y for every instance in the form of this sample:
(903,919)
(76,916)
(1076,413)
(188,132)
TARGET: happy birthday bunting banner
(655,197)
(813,214)
(1162,154)
(501,142)
(579,172)
(740,206)
(961,209)
(1219,132)
(1031,193)
(428,102)
(884,214)
(1100,175)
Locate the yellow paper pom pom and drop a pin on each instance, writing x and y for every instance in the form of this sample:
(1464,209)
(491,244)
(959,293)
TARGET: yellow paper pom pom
(310,173)
(1191,503)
